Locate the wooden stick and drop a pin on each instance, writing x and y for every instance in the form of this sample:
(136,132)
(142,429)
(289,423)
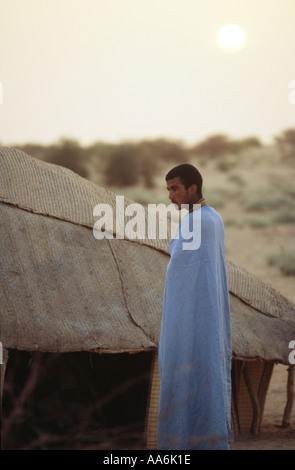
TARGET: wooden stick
(254,400)
(4,360)
(290,396)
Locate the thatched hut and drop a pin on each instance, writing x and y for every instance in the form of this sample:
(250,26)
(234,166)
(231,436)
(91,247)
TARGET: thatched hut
(64,291)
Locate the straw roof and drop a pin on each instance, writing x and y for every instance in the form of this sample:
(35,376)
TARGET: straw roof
(64,290)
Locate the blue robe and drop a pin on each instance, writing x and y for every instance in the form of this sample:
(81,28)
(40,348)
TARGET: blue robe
(195,340)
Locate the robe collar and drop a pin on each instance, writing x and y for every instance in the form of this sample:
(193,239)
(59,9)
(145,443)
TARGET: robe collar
(201,202)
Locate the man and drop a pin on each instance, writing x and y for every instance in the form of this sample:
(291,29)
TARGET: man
(195,340)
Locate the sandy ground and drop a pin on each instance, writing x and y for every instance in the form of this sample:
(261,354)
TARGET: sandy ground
(272,436)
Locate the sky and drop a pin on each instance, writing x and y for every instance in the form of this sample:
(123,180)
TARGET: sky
(113,70)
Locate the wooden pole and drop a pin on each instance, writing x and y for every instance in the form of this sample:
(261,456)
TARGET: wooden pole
(4,359)
(290,396)
(151,431)
(254,400)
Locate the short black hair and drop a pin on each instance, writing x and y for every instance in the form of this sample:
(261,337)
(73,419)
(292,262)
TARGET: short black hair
(188,175)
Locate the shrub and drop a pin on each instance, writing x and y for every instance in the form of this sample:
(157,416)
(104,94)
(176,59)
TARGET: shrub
(284,259)
(259,221)
(237,146)
(34,150)
(122,168)
(67,153)
(237,178)
(129,164)
(226,163)
(212,147)
(233,222)
(284,217)
(286,143)
(256,201)
(216,198)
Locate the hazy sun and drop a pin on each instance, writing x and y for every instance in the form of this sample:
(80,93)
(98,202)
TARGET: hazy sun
(231,37)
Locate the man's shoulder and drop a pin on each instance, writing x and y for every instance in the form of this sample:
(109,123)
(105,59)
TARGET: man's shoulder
(211,216)
(210,212)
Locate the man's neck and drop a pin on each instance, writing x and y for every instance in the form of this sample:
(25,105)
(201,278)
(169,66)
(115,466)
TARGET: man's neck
(202,201)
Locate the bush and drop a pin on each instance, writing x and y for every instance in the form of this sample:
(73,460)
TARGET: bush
(165,150)
(129,164)
(233,222)
(257,201)
(34,150)
(286,144)
(123,167)
(284,259)
(259,221)
(216,198)
(226,163)
(212,147)
(237,178)
(237,146)
(67,153)
(284,217)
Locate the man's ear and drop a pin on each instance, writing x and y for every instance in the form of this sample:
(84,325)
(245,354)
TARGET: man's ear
(193,189)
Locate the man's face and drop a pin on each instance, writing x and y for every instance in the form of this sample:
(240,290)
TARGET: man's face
(178,194)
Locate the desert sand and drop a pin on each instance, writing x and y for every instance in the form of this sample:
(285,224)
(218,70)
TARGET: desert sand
(272,435)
